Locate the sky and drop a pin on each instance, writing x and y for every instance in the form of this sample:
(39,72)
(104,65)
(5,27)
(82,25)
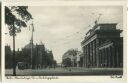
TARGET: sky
(61,28)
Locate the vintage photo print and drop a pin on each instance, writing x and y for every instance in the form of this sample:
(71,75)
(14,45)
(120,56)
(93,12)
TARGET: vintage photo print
(0,42)
(64,41)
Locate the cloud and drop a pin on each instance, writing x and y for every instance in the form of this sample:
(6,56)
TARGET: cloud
(63,27)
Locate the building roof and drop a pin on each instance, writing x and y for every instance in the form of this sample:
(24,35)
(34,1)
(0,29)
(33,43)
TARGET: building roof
(110,26)
(29,46)
(101,28)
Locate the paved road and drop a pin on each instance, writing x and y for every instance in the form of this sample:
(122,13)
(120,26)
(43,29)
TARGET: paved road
(66,71)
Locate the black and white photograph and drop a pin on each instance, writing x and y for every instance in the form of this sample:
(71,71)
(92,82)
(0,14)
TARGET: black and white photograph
(70,40)
(0,43)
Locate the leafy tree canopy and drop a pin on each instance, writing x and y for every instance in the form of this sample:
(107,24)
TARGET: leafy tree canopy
(71,52)
(16,17)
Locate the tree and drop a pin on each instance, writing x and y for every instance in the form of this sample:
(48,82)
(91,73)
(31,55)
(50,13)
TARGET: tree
(67,62)
(72,52)
(16,17)
(69,57)
(8,57)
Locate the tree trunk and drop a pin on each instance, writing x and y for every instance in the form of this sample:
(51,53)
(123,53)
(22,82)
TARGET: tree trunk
(14,59)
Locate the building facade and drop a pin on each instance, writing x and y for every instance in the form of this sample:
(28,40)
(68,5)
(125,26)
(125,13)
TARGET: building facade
(72,58)
(103,47)
(38,56)
(41,57)
(79,59)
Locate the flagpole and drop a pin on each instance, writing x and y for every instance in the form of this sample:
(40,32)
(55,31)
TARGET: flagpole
(32,45)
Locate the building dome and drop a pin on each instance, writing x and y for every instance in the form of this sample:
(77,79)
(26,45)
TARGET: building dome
(28,46)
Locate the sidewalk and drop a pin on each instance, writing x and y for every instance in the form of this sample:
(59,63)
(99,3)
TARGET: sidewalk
(67,71)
